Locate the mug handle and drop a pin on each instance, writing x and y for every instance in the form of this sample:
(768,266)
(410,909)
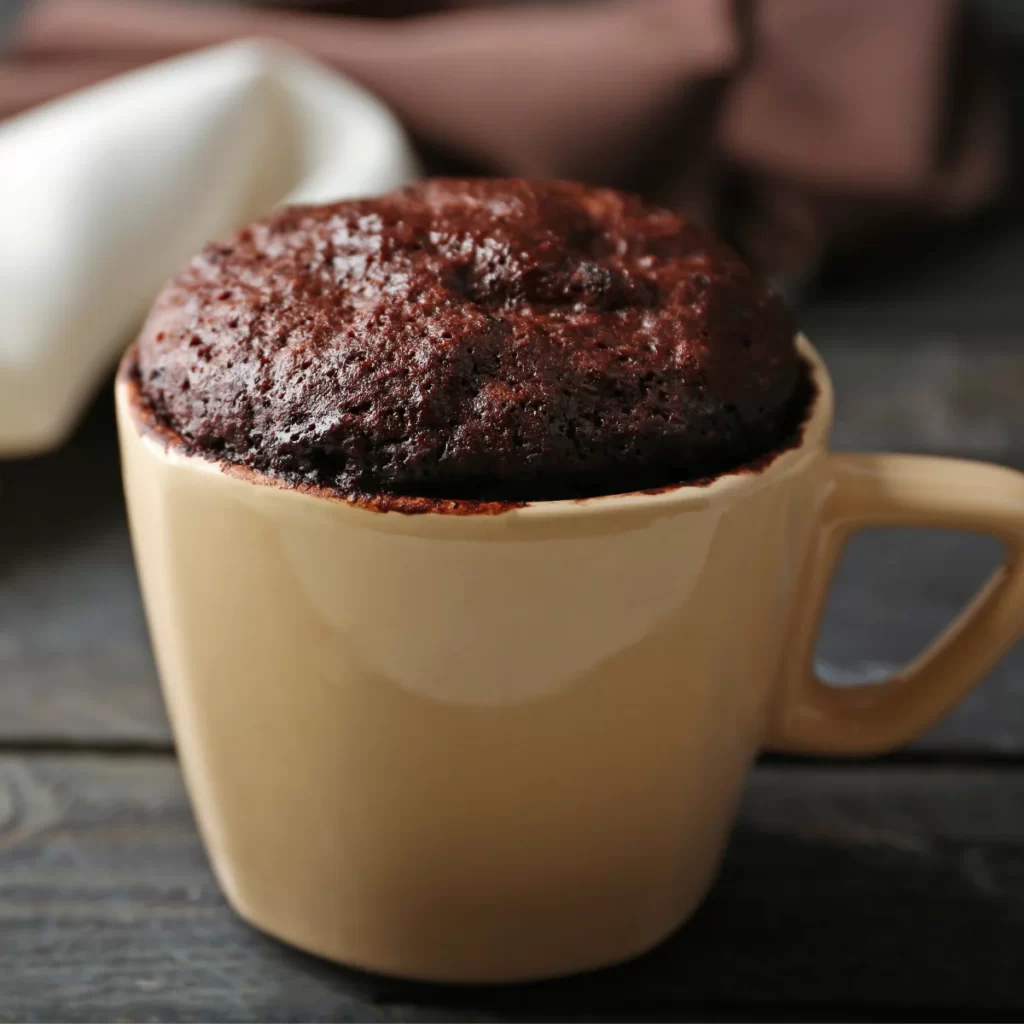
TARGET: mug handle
(902,490)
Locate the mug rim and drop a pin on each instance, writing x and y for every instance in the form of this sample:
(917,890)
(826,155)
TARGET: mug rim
(165,445)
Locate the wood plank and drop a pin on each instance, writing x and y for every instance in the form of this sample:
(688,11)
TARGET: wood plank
(856,889)
(942,394)
(960,280)
(75,661)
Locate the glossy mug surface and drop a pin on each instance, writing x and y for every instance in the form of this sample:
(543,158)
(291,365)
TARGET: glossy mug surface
(483,748)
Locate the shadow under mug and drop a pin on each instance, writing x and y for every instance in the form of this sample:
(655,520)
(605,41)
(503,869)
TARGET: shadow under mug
(491,748)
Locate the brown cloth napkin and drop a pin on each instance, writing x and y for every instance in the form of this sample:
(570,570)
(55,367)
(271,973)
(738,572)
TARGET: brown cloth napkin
(796,127)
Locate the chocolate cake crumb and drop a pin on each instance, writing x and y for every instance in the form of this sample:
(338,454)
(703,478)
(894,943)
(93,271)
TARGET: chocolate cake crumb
(495,340)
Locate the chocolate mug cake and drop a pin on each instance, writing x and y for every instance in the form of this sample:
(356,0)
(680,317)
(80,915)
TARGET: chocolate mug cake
(492,340)
(491,748)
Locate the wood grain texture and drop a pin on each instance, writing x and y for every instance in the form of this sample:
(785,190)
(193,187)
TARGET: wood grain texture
(864,890)
(75,663)
(74,655)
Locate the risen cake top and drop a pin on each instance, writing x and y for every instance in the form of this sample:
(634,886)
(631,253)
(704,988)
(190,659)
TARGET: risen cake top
(485,339)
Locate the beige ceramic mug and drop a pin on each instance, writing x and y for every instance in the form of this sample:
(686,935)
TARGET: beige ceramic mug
(483,748)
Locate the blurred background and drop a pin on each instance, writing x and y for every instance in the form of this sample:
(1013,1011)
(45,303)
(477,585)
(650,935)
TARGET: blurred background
(805,131)
(865,154)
